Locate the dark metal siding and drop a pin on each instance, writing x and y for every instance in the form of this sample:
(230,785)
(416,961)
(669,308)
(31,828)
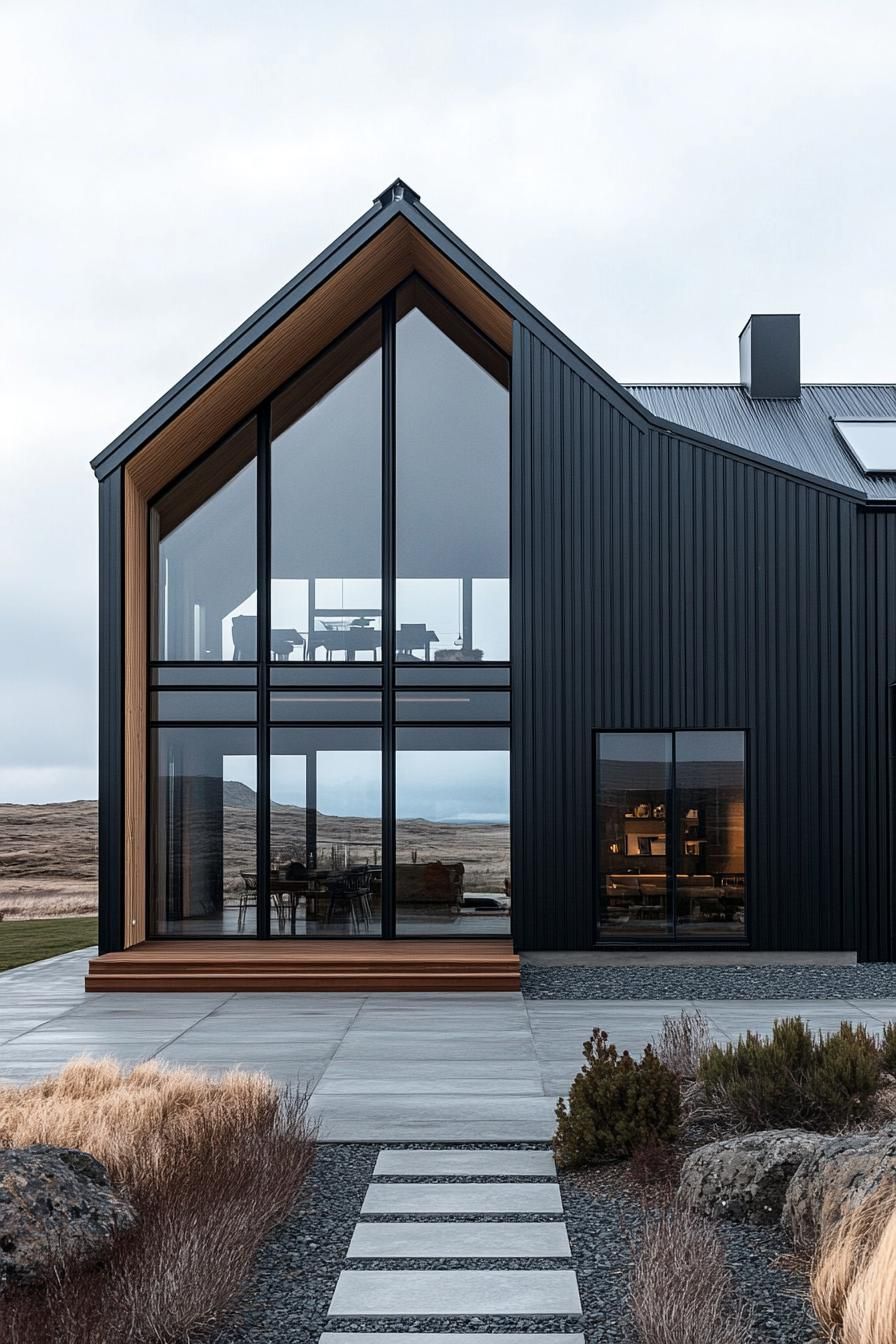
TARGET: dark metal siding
(111,713)
(876,611)
(797,432)
(660,583)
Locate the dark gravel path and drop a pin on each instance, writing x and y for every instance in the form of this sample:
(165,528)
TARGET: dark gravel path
(870,981)
(287,1301)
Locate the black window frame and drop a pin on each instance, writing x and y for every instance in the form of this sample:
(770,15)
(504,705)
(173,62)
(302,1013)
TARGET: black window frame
(600,936)
(394,677)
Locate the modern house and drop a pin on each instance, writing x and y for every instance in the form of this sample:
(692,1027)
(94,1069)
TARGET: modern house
(424,642)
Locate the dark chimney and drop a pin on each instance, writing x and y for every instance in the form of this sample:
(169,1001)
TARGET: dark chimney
(770,355)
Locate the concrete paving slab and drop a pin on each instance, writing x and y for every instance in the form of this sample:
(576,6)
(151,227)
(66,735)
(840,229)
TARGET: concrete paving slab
(466,1197)
(458,1241)
(884,1010)
(432,1119)
(456,1292)
(498,1077)
(429,1045)
(465,1162)
(214,1048)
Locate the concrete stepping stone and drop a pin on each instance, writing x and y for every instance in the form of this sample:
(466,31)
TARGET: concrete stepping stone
(486,1241)
(465,1162)
(456,1292)
(468,1197)
(448,1337)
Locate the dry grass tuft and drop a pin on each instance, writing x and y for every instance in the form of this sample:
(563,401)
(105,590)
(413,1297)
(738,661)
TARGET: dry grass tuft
(211,1165)
(682,1043)
(681,1291)
(49,905)
(853,1277)
(656,1168)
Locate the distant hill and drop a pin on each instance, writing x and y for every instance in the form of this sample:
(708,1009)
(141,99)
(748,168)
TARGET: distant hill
(48,855)
(48,851)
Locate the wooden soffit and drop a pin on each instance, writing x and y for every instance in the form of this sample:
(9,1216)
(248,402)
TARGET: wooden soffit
(365,279)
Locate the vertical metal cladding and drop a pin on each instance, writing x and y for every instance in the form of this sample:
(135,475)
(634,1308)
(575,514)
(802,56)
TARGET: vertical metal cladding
(876,611)
(660,583)
(111,711)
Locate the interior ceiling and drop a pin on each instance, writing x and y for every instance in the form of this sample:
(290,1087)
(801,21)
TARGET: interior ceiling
(363,281)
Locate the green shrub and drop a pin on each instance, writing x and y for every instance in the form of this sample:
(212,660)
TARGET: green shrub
(795,1078)
(888,1048)
(616,1104)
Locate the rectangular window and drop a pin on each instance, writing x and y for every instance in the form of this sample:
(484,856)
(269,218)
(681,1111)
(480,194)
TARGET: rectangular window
(326,501)
(452,831)
(204,559)
(709,800)
(202,844)
(203,706)
(452,497)
(438,705)
(326,831)
(326,706)
(670,827)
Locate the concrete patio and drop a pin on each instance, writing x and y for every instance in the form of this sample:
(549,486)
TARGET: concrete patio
(379,1067)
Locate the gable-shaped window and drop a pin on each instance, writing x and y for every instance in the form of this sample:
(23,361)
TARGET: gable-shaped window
(330,682)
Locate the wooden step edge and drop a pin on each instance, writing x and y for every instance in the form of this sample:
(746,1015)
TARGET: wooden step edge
(432,969)
(310,983)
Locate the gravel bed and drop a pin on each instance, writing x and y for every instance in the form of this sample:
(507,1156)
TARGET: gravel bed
(296,1273)
(603,1212)
(868,981)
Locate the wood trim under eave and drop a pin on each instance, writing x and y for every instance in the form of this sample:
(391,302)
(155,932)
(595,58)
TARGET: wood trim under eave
(355,288)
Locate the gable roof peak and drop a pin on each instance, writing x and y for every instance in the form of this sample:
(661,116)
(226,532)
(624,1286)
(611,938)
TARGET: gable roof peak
(397,191)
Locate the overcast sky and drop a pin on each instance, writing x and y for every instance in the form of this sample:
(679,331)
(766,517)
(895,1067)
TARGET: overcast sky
(646,173)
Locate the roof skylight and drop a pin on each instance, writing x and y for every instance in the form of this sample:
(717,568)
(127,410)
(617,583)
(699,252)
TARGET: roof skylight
(873,443)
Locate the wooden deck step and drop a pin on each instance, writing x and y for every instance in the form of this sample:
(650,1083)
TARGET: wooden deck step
(216,966)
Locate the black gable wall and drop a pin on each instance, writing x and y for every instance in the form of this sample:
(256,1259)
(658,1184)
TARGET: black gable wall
(663,583)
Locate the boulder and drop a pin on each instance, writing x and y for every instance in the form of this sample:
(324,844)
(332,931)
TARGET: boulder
(839,1174)
(745,1179)
(55,1204)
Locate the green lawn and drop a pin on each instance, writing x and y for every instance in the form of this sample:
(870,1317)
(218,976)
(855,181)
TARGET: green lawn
(25,940)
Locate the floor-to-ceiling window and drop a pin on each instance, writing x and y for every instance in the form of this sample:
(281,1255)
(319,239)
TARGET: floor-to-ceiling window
(202,850)
(330,678)
(326,506)
(452,473)
(452,830)
(205,558)
(670,834)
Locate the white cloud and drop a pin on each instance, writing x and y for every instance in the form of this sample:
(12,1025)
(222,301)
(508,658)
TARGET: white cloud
(648,174)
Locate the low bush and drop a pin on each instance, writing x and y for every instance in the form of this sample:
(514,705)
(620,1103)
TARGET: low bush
(853,1275)
(795,1079)
(211,1166)
(682,1043)
(616,1104)
(681,1291)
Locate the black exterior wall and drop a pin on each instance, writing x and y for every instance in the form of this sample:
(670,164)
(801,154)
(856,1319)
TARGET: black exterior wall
(664,583)
(111,712)
(875,905)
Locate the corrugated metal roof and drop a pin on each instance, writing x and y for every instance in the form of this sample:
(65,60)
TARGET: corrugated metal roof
(795,433)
